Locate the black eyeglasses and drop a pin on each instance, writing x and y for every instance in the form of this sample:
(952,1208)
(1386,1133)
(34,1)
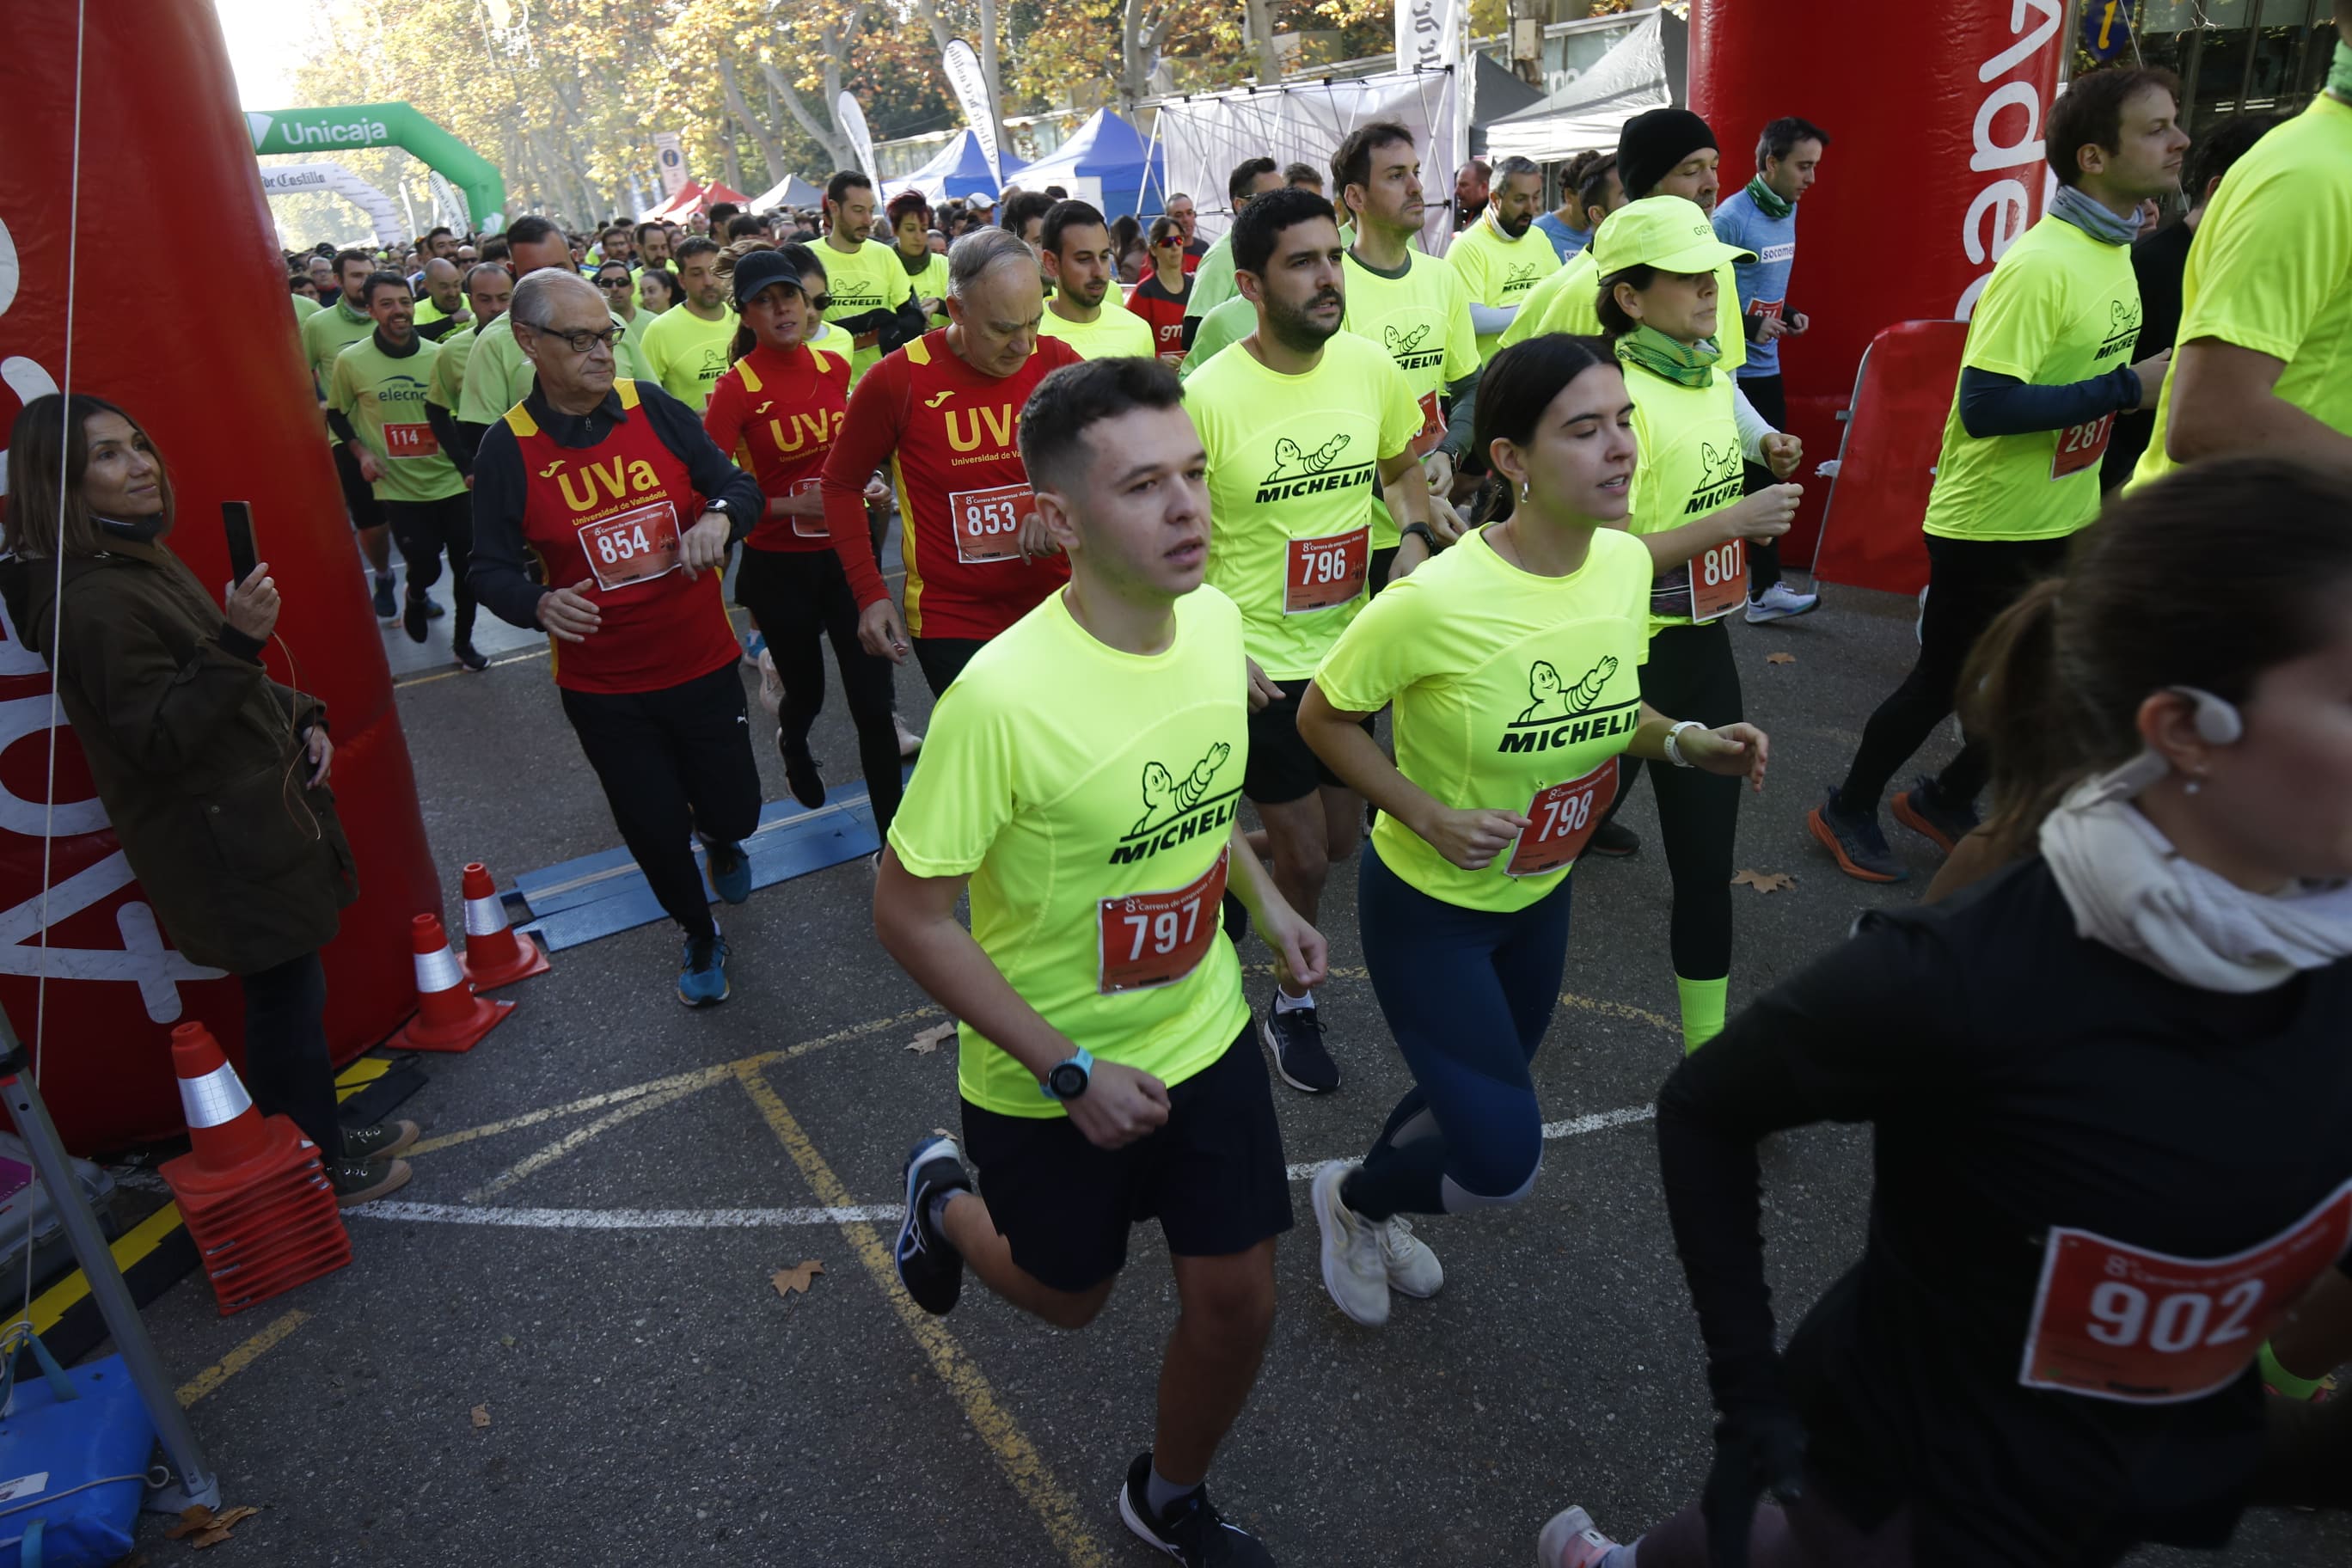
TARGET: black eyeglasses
(583,343)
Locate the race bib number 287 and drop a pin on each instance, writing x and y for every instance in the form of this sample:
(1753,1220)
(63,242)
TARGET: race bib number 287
(2116,1321)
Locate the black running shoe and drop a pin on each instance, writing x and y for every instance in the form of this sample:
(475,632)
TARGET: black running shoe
(931,1269)
(472,658)
(1917,809)
(801,773)
(1612,840)
(1295,1039)
(411,618)
(1854,841)
(386,610)
(1191,1532)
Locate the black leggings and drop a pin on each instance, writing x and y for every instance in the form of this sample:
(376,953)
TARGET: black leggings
(1969,584)
(423,530)
(801,600)
(673,762)
(286,1062)
(1691,676)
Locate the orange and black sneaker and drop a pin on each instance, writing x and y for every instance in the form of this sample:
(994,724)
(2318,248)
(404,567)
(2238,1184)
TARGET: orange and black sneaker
(1854,841)
(1917,809)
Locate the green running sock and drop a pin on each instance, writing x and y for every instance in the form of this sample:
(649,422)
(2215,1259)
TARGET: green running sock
(1702,1009)
(2285,1381)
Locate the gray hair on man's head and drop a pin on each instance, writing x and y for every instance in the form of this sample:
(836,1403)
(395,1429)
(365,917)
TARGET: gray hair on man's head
(535,298)
(971,255)
(1514,165)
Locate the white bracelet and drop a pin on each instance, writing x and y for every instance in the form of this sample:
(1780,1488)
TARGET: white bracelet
(1674,750)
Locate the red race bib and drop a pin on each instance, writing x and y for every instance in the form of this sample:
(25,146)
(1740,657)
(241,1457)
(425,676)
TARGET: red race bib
(410,441)
(1326,572)
(636,546)
(1766,309)
(2113,1322)
(2082,447)
(1433,426)
(987,523)
(1719,581)
(1563,819)
(1158,939)
(809,527)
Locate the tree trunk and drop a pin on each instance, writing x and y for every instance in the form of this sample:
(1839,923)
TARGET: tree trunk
(1143,25)
(835,145)
(1260,26)
(733,163)
(771,149)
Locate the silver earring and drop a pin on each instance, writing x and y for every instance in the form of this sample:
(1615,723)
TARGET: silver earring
(2196,781)
(1523,490)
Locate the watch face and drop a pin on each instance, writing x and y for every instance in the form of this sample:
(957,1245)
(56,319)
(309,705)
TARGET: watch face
(1067,1080)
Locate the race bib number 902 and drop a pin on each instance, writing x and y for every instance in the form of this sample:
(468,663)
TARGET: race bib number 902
(2115,1322)
(634,546)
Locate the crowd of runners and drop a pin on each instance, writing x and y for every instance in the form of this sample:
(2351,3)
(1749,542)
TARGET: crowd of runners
(1178,523)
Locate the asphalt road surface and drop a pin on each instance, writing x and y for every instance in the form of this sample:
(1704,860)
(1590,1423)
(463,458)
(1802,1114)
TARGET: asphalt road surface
(563,1344)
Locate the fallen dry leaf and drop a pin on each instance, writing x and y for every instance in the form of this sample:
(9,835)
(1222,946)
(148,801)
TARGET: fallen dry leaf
(1764,882)
(932,1038)
(1779,658)
(481,1416)
(201,1527)
(788,1281)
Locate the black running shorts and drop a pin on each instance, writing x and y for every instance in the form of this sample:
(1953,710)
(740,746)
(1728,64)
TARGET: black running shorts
(1213,1175)
(1282,766)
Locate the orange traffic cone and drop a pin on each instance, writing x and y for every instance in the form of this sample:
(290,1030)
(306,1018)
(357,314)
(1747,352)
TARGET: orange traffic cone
(251,1189)
(450,1016)
(496,953)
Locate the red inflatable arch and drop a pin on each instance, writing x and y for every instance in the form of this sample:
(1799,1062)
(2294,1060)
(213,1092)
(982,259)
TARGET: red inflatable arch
(205,355)
(1936,113)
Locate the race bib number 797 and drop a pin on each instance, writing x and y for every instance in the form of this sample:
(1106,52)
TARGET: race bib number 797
(2116,1321)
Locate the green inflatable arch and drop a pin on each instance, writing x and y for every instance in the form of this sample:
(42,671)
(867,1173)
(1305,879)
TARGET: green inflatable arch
(338,129)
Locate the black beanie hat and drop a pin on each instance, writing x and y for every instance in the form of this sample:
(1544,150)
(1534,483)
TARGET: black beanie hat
(1650,145)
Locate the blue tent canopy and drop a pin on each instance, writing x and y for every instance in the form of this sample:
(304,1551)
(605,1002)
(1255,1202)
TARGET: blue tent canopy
(957,169)
(1105,155)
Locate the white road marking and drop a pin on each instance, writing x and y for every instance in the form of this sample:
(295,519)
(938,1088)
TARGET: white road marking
(768,1218)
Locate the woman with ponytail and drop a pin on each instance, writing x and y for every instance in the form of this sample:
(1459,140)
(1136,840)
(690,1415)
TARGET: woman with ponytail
(1660,304)
(2109,1084)
(1514,660)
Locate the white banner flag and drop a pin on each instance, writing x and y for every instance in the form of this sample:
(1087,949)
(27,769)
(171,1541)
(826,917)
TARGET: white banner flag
(971,95)
(852,121)
(670,156)
(1428,34)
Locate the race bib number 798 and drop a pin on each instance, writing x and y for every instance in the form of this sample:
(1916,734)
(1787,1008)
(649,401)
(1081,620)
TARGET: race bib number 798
(2116,1321)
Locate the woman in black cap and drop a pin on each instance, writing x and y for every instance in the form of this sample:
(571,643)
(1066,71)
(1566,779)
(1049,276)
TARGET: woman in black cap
(777,411)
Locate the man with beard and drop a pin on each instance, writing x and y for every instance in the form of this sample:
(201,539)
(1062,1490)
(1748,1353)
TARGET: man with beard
(867,285)
(1500,257)
(1080,266)
(1298,418)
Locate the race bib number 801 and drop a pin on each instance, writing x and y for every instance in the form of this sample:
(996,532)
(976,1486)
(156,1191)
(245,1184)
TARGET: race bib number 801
(2116,1321)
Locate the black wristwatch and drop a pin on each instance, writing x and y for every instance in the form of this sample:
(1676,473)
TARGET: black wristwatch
(1069,1078)
(1428,539)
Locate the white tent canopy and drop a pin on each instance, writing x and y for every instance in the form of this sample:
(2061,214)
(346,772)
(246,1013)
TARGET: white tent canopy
(1205,136)
(293,179)
(1589,111)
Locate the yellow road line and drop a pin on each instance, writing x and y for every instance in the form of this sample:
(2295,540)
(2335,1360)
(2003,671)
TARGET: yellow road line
(54,1303)
(699,1077)
(209,1380)
(1053,1502)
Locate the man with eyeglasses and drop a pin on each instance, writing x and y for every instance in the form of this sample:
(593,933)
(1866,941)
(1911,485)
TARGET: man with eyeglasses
(498,375)
(631,509)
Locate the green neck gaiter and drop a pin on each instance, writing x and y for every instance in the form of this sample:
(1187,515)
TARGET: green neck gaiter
(2339,78)
(1685,364)
(1769,201)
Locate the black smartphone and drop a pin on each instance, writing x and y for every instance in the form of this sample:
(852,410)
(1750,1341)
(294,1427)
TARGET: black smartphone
(236,522)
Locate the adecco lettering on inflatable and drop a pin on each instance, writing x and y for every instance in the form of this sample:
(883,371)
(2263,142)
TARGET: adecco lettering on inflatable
(1936,114)
(316,131)
(224,392)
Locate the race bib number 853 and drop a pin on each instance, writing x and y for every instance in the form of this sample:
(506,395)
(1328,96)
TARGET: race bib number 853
(2115,1322)
(987,523)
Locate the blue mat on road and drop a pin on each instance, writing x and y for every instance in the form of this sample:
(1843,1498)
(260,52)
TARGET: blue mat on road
(603,894)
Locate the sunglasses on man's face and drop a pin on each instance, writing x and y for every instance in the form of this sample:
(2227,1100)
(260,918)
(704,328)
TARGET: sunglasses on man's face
(613,283)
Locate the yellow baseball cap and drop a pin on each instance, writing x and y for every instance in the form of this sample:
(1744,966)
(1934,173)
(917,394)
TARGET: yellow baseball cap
(1669,233)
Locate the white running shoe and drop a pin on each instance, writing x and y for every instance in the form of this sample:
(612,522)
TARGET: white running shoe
(1569,1540)
(1353,1270)
(1411,1268)
(1779,602)
(908,742)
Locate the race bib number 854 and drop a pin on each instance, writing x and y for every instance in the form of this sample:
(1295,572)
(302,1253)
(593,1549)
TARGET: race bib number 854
(2115,1322)
(636,546)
